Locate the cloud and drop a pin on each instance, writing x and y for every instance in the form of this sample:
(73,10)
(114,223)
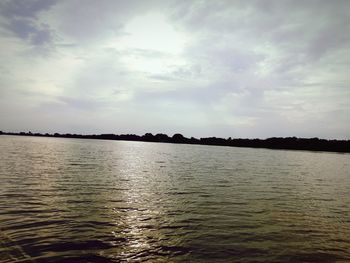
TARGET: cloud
(21,19)
(223,68)
(27,9)
(27,30)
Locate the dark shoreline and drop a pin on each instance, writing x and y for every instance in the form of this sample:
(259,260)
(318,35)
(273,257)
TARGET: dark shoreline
(288,143)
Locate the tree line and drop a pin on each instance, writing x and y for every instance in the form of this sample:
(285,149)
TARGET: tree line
(293,143)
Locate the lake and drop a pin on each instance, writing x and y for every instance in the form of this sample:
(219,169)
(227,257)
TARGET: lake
(75,200)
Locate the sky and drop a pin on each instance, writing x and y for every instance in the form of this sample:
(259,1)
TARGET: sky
(247,69)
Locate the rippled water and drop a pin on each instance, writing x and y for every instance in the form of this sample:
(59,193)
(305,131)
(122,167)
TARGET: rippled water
(71,200)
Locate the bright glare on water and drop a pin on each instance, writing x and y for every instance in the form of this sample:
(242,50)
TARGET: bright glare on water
(72,200)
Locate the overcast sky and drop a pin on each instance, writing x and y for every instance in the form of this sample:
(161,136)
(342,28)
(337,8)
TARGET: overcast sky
(200,68)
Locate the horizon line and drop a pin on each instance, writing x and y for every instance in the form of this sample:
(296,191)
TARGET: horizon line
(286,143)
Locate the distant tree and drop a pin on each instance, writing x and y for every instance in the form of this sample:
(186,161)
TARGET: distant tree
(194,140)
(148,137)
(161,137)
(178,138)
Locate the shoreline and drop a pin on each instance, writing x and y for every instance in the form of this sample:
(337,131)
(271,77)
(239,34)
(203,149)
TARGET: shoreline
(274,143)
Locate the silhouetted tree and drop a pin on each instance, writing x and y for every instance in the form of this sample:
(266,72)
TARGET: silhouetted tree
(178,138)
(148,137)
(160,137)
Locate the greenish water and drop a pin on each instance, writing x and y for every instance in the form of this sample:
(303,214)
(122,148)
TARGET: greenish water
(71,200)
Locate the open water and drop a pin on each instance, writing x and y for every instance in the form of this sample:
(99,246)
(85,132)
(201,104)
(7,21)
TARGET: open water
(74,200)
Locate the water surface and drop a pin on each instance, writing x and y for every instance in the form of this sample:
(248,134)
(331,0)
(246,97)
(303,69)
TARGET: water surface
(73,200)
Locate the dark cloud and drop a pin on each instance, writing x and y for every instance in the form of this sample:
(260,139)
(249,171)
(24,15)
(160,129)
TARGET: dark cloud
(22,20)
(24,8)
(27,30)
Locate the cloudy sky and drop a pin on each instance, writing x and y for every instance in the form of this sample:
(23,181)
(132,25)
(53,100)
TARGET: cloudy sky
(201,68)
